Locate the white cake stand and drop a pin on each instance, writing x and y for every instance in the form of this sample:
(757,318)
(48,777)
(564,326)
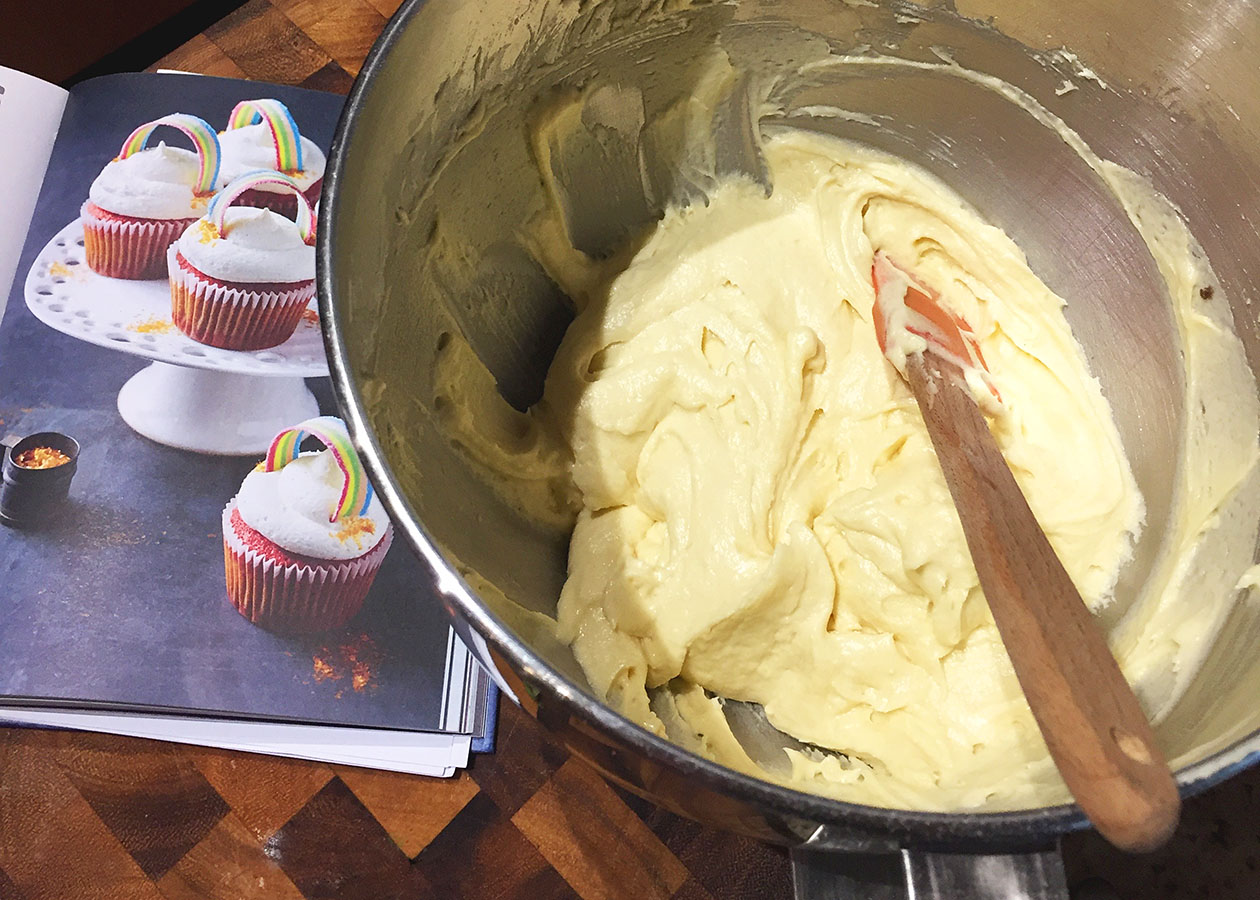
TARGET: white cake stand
(192,396)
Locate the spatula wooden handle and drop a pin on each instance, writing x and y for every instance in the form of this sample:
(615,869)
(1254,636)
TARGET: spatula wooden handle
(1097,733)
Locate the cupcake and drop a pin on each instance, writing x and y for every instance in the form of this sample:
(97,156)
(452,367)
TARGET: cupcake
(144,199)
(242,276)
(304,537)
(262,134)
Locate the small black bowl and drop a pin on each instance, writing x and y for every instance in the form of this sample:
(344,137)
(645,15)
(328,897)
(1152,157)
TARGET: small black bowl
(34,496)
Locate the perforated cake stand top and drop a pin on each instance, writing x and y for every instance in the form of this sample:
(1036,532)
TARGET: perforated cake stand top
(135,317)
(192,396)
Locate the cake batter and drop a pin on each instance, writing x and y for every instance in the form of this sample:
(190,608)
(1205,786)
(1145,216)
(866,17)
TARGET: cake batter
(761,516)
(762,511)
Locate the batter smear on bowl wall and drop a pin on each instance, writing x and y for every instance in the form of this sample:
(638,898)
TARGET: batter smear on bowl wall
(760,514)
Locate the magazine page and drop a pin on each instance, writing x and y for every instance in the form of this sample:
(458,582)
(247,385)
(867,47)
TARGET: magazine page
(29,108)
(417,753)
(135,587)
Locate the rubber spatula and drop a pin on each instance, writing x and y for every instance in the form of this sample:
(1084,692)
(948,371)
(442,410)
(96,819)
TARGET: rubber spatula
(1097,733)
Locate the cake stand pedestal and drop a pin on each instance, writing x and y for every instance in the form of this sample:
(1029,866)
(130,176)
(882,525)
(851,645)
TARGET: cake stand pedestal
(193,396)
(212,412)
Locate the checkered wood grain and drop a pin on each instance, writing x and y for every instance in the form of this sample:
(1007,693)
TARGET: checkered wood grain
(319,44)
(91,817)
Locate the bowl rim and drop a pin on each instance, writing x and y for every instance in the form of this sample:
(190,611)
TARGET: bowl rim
(1026,827)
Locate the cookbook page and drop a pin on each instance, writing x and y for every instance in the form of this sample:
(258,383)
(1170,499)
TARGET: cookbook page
(30,112)
(119,600)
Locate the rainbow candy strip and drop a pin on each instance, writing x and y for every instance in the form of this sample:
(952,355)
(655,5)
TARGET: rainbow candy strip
(357,492)
(203,138)
(284,130)
(219,204)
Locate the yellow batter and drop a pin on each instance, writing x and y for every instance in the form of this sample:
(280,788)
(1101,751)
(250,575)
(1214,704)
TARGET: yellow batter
(762,512)
(760,515)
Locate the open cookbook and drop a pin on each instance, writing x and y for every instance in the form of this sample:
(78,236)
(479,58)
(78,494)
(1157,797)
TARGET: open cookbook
(190,549)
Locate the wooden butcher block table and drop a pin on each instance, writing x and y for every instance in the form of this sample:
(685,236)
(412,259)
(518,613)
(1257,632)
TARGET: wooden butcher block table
(87,817)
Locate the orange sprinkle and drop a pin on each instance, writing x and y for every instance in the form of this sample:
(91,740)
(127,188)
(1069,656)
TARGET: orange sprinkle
(310,316)
(356,661)
(41,458)
(323,671)
(152,326)
(207,231)
(60,268)
(353,528)
(360,668)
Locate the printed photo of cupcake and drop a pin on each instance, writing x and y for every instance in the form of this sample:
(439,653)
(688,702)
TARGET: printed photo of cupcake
(304,537)
(262,134)
(144,199)
(242,276)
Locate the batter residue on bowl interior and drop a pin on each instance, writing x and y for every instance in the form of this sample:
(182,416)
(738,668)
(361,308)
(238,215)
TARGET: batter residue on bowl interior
(762,517)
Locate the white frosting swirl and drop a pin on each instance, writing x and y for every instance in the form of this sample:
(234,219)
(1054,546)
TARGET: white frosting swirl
(290,507)
(156,183)
(258,245)
(250,148)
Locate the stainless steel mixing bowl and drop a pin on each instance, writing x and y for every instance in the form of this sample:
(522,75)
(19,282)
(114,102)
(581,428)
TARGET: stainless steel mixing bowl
(433,178)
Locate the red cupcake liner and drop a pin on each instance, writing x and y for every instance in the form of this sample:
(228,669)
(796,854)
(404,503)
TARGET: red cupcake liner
(233,317)
(300,596)
(126,247)
(283,203)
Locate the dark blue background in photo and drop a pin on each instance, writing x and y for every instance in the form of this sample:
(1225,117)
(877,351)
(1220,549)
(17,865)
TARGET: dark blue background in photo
(123,602)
